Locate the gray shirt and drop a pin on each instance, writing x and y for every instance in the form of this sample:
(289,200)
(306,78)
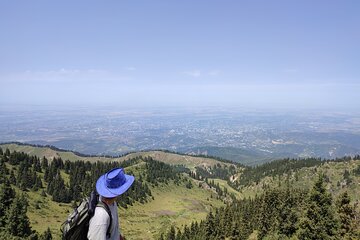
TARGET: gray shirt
(100,221)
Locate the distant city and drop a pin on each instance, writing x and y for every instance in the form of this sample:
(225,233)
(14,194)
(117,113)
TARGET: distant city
(233,134)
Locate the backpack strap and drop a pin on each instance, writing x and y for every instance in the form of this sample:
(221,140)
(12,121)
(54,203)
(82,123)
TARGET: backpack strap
(107,209)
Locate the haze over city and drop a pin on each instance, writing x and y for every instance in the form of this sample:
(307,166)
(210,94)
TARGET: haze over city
(266,79)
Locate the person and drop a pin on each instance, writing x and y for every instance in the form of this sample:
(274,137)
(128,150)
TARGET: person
(109,186)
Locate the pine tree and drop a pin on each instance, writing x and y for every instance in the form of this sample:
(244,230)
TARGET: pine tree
(12,178)
(171,234)
(43,193)
(347,216)
(288,218)
(178,235)
(44,164)
(269,211)
(37,165)
(38,182)
(319,221)
(210,225)
(347,177)
(3,171)
(186,235)
(46,235)
(18,223)
(7,195)
(235,231)
(7,152)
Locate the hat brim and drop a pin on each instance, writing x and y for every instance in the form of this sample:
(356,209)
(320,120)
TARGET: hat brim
(104,191)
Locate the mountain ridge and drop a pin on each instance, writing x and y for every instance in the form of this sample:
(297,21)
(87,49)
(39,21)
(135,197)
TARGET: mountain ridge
(175,158)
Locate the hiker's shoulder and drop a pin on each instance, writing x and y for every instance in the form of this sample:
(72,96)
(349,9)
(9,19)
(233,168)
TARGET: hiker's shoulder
(101,214)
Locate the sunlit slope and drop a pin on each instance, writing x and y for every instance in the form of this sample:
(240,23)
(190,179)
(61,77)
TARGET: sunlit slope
(50,153)
(172,205)
(339,176)
(170,158)
(176,204)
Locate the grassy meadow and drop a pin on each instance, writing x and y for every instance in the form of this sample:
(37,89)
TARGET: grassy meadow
(172,205)
(170,158)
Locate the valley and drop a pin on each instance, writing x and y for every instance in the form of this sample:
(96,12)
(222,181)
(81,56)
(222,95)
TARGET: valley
(247,136)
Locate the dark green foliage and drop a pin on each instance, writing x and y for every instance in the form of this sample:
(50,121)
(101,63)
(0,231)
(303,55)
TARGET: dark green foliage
(221,192)
(238,220)
(46,235)
(189,184)
(17,223)
(58,190)
(7,153)
(7,236)
(270,209)
(357,171)
(347,177)
(43,193)
(274,168)
(3,171)
(277,214)
(347,217)
(210,224)
(319,221)
(12,178)
(137,192)
(7,195)
(171,234)
(27,177)
(82,175)
(274,214)
(37,165)
(288,214)
(44,163)
(159,172)
(82,179)
(217,171)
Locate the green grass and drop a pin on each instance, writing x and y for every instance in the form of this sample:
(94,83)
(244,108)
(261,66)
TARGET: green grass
(44,213)
(189,161)
(307,177)
(50,153)
(173,205)
(223,184)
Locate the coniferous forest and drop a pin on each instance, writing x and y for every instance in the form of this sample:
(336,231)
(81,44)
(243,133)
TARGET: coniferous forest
(279,214)
(285,212)
(29,173)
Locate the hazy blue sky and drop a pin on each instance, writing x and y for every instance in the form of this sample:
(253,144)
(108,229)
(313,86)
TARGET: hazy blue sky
(151,53)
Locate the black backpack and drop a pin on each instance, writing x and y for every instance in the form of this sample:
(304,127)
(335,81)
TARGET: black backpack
(76,226)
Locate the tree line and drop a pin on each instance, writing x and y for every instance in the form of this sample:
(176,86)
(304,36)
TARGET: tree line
(279,213)
(65,182)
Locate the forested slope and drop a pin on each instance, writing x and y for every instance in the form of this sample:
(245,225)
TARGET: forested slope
(48,189)
(276,200)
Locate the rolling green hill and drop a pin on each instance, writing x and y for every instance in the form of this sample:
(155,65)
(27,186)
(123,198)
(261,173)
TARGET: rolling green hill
(167,157)
(184,191)
(172,201)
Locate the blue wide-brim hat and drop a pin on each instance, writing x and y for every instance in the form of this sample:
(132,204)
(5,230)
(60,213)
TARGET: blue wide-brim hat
(114,183)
